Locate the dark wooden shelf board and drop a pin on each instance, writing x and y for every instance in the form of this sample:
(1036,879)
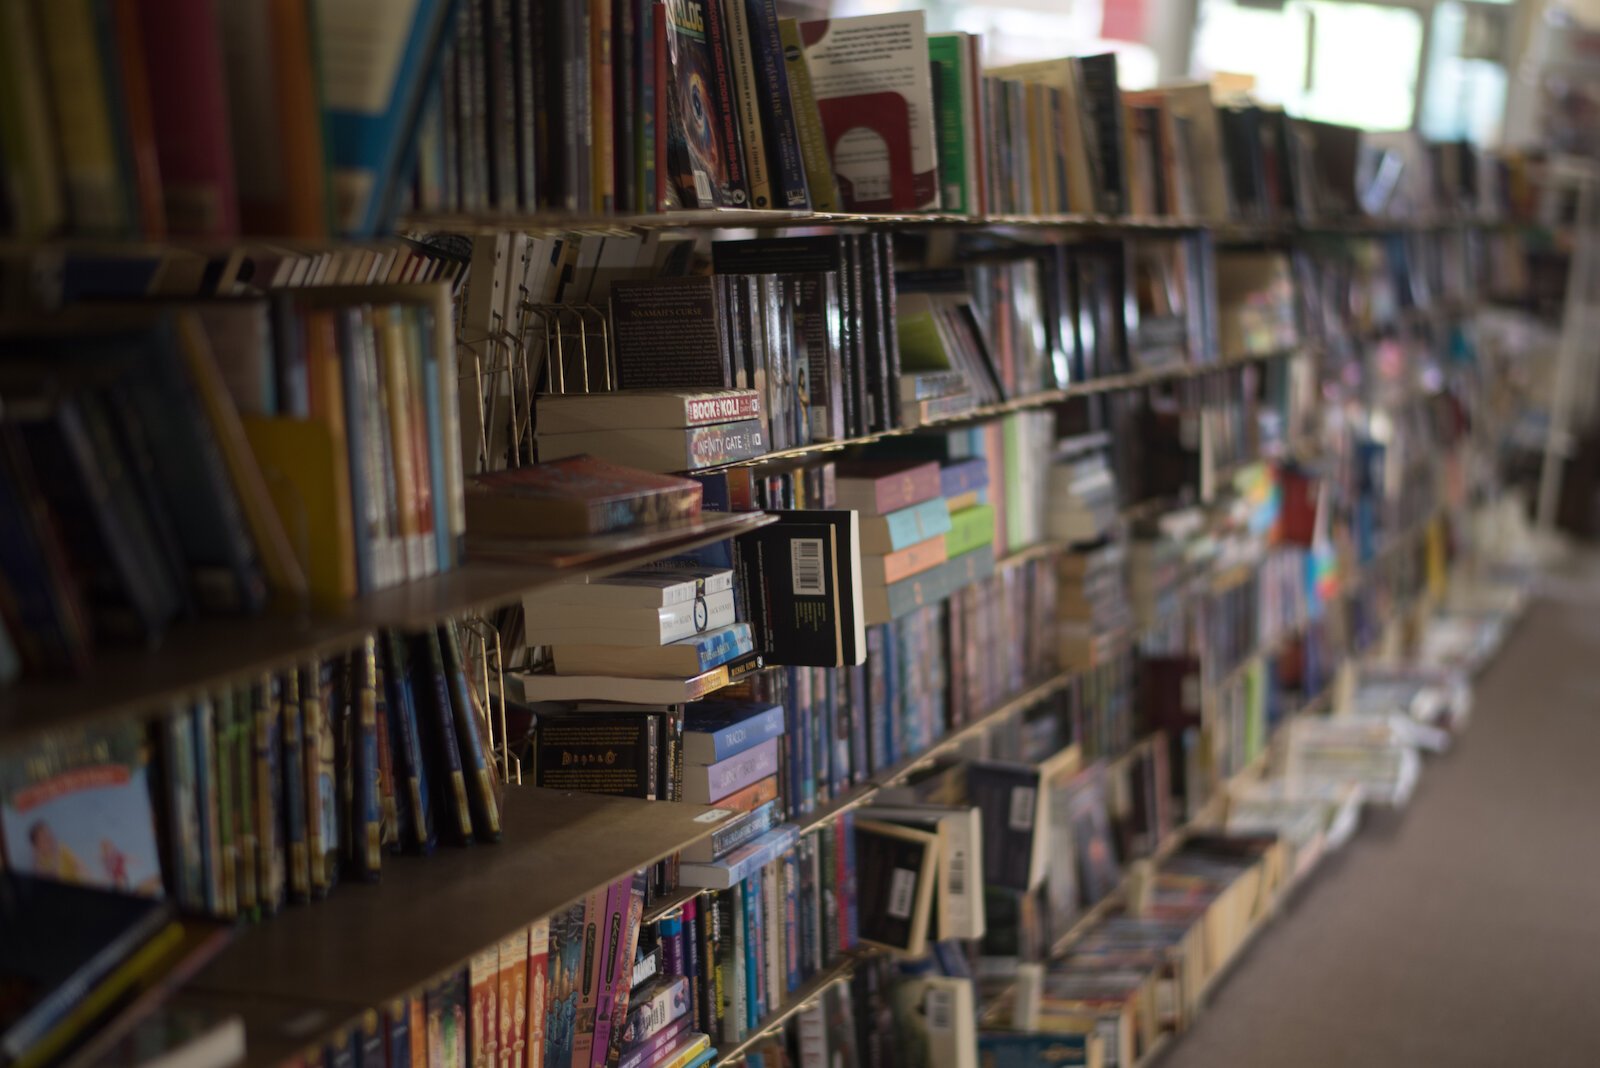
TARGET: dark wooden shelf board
(211,652)
(367,944)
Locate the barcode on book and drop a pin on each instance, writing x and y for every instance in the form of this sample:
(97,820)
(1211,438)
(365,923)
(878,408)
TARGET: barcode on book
(958,872)
(702,188)
(941,1009)
(805,565)
(1022,808)
(902,889)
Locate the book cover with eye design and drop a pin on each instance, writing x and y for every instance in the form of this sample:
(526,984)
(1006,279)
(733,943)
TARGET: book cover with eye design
(704,149)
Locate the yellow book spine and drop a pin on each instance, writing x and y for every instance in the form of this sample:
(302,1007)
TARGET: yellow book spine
(397,415)
(96,194)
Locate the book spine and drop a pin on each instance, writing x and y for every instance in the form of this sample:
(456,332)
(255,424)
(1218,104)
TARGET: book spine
(367,822)
(746,86)
(774,96)
(588,976)
(476,760)
(406,735)
(538,992)
(736,1021)
(720,407)
(652,1049)
(483,976)
(755,947)
(820,183)
(428,661)
(602,173)
(667,1003)
(694,961)
(612,935)
(722,90)
(709,783)
(525,76)
(511,1000)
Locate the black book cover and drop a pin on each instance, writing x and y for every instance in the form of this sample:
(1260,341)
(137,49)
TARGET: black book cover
(704,151)
(896,872)
(891,336)
(1008,795)
(791,572)
(785,166)
(1104,103)
(668,334)
(431,687)
(597,753)
(1098,870)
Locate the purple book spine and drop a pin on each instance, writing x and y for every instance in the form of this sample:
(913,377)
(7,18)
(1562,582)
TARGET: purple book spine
(612,938)
(716,781)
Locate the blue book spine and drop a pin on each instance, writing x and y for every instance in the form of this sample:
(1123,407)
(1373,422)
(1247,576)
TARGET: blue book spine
(205,793)
(793,749)
(804,739)
(819,740)
(357,387)
(717,647)
(791,920)
(734,738)
(182,810)
(847,878)
(963,477)
(399,1032)
(755,998)
(444,544)
(1018,1049)
(370,148)
(859,769)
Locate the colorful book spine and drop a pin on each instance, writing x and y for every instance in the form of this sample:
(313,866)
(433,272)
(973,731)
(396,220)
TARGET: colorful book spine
(609,973)
(786,165)
(538,992)
(706,784)
(483,988)
(510,1023)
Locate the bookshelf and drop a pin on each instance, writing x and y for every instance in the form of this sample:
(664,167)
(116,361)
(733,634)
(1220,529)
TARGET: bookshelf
(304,980)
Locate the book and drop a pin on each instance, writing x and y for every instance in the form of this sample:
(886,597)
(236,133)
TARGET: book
(654,1008)
(706,784)
(662,449)
(682,659)
(512,999)
(905,527)
(730,870)
(630,626)
(879,487)
(871,72)
(716,730)
(897,877)
(1059,1049)
(539,992)
(803,577)
(180,1036)
(693,354)
(574,497)
(540,686)
(748,88)
(565,978)
(734,833)
(1013,805)
(564,413)
(955,113)
(775,101)
(597,753)
(647,588)
(705,158)
(77,807)
(959,902)
(889,568)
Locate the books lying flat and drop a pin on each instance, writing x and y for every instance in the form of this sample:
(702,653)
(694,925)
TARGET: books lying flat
(676,660)
(716,730)
(970,528)
(662,448)
(576,624)
(653,588)
(883,604)
(531,687)
(574,496)
(899,529)
(879,487)
(706,784)
(736,866)
(578,550)
(565,413)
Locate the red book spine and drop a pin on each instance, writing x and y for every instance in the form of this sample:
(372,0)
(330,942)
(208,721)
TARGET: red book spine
(189,101)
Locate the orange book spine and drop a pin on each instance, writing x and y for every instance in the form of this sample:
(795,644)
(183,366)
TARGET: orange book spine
(327,405)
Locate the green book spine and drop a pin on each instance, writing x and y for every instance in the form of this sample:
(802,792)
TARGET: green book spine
(947,54)
(970,528)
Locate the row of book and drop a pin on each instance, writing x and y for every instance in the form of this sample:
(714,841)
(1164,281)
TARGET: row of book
(218,458)
(267,792)
(199,118)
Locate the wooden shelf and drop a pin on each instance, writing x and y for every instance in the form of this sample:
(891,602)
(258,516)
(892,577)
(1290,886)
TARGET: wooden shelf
(211,652)
(369,943)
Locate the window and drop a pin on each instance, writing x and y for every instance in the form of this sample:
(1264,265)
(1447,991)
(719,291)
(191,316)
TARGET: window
(1303,55)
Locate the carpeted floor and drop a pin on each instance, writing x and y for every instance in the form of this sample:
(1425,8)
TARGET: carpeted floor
(1463,932)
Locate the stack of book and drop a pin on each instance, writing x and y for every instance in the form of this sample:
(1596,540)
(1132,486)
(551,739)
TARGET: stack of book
(1083,500)
(672,623)
(1155,575)
(1374,753)
(1092,607)
(652,429)
(896,581)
